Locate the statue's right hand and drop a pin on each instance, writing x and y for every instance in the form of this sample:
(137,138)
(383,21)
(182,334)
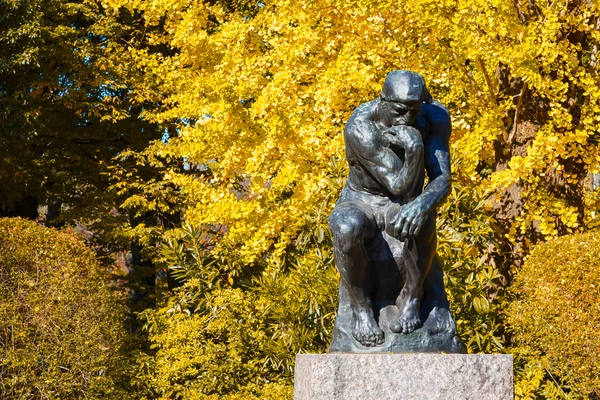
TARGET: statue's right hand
(405,221)
(403,136)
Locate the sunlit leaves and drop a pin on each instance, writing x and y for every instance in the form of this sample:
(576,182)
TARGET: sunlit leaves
(555,312)
(61,333)
(258,94)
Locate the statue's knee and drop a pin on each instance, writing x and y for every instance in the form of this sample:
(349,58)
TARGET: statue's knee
(348,230)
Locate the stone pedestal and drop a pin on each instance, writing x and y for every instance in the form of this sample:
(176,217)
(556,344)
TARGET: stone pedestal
(403,376)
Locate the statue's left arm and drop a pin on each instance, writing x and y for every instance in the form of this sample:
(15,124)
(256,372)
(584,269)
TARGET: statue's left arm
(410,218)
(437,157)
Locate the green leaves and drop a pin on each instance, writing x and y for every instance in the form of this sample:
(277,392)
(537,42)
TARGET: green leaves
(467,241)
(188,256)
(61,321)
(554,313)
(481,305)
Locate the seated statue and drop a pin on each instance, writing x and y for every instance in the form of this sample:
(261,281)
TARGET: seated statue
(384,222)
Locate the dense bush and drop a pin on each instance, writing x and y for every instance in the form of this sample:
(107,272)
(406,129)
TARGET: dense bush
(230,333)
(467,239)
(61,325)
(556,316)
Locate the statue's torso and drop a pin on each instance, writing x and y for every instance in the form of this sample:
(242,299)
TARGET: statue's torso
(364,123)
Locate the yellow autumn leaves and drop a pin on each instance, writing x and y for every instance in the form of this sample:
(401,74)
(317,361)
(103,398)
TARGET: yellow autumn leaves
(261,92)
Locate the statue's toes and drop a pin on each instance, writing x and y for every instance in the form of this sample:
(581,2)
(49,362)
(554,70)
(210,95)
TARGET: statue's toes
(370,340)
(411,325)
(380,337)
(396,327)
(362,339)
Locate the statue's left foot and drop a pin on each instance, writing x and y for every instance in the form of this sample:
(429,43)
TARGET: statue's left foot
(406,325)
(409,319)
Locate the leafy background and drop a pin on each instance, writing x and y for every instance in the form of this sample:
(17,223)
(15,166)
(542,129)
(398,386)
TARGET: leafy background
(197,145)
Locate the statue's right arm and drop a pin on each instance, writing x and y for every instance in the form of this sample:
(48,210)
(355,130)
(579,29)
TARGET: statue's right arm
(371,149)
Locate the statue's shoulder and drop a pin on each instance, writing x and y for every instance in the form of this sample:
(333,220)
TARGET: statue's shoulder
(436,113)
(360,124)
(438,119)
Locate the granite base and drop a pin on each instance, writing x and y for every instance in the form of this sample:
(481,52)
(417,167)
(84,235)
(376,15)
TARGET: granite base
(403,376)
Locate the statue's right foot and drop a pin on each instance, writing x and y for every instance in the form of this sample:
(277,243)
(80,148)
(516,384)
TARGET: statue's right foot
(365,329)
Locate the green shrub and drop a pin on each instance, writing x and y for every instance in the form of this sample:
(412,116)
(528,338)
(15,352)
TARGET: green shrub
(467,235)
(61,325)
(556,315)
(232,331)
(237,338)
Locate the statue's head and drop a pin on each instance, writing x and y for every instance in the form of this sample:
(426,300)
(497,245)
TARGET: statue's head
(402,97)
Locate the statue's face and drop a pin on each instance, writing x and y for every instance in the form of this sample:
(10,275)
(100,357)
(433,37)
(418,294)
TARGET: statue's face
(402,97)
(402,113)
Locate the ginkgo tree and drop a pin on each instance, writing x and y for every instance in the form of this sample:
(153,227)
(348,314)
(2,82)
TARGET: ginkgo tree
(258,94)
(261,92)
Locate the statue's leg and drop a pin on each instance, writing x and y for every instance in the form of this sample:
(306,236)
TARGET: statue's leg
(433,286)
(418,256)
(434,296)
(352,226)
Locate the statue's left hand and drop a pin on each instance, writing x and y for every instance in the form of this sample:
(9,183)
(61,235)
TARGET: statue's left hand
(404,221)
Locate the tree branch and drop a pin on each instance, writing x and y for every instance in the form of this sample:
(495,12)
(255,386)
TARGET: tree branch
(492,92)
(462,66)
(522,17)
(513,132)
(488,81)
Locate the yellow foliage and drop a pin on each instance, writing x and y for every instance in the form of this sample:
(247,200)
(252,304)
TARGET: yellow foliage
(261,93)
(555,315)
(62,330)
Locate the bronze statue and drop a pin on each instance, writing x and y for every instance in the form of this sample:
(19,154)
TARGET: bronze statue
(384,224)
